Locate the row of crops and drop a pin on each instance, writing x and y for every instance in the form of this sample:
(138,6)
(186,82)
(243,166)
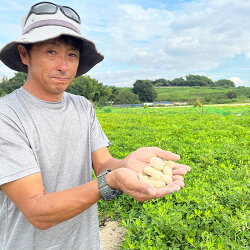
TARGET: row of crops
(213,210)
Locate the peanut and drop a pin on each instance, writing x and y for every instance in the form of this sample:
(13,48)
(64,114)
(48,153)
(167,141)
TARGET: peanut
(143,177)
(169,164)
(157,163)
(167,171)
(158,173)
(156,183)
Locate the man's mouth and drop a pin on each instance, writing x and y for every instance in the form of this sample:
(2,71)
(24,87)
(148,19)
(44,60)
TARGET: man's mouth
(61,79)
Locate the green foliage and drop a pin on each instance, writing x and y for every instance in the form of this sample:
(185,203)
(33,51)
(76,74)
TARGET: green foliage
(2,93)
(196,80)
(225,83)
(243,91)
(161,82)
(145,90)
(204,94)
(13,83)
(212,210)
(114,92)
(231,94)
(178,82)
(198,103)
(91,89)
(126,96)
(192,80)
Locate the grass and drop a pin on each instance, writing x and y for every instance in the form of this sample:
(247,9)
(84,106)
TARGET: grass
(237,110)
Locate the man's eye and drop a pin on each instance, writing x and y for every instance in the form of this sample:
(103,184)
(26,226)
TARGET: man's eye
(52,52)
(73,55)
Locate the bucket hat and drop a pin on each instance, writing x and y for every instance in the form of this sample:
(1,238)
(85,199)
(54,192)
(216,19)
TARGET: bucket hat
(45,21)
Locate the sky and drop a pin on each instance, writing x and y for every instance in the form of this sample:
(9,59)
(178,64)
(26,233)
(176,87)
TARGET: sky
(145,39)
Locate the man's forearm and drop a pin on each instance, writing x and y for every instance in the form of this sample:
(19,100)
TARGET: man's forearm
(103,160)
(50,209)
(45,210)
(112,164)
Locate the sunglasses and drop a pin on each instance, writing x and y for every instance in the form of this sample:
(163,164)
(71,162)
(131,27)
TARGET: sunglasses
(51,8)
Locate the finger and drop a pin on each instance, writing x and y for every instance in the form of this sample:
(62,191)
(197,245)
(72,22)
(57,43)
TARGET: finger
(138,189)
(180,171)
(178,166)
(178,177)
(161,192)
(170,188)
(178,182)
(167,155)
(146,193)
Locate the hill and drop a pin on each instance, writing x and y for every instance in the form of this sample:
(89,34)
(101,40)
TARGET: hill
(204,94)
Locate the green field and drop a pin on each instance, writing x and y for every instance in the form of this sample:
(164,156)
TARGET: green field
(205,94)
(213,210)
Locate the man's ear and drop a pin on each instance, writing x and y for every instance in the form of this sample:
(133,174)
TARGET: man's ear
(24,55)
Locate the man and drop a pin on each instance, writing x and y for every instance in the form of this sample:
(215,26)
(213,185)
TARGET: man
(50,140)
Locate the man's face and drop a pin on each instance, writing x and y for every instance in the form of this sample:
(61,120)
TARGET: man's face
(52,65)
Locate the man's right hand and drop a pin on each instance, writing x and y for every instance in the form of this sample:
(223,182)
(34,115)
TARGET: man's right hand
(126,180)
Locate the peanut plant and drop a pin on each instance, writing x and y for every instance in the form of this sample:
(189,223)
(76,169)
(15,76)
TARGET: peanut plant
(213,210)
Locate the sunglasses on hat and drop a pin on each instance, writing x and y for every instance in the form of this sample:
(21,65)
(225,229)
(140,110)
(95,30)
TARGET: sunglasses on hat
(51,8)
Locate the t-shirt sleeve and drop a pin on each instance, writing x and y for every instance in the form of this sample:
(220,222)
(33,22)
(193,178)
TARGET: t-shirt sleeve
(17,159)
(97,136)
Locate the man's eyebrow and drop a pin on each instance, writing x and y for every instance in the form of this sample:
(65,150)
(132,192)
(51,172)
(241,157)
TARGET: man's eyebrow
(74,48)
(57,44)
(53,42)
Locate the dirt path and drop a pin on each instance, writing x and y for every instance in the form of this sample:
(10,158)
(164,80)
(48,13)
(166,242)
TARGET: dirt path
(111,235)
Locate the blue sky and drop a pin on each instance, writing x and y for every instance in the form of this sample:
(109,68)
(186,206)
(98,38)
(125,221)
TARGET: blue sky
(143,39)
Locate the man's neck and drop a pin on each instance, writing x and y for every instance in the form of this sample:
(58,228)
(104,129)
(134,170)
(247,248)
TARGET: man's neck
(43,95)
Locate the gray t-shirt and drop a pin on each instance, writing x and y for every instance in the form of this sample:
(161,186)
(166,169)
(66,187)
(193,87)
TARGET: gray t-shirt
(56,139)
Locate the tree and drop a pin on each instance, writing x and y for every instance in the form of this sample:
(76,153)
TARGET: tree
(126,96)
(91,89)
(231,94)
(178,82)
(13,83)
(114,92)
(2,93)
(161,82)
(145,90)
(196,80)
(224,83)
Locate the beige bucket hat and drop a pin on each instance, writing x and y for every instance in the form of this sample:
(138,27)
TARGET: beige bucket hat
(44,21)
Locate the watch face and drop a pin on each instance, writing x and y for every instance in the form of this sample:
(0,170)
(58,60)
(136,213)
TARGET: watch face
(107,193)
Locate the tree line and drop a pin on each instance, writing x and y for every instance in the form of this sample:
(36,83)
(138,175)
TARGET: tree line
(193,80)
(96,92)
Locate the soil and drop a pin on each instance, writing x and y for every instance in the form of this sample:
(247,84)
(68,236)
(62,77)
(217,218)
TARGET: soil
(111,235)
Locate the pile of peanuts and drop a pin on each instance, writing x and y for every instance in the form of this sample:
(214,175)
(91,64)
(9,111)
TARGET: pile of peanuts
(159,173)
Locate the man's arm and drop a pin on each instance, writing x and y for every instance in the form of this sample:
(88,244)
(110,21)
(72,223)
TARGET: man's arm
(45,210)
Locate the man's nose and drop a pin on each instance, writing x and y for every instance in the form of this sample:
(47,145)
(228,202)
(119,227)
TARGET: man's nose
(63,63)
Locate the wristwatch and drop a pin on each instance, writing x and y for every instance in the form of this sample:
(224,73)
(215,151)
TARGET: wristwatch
(107,193)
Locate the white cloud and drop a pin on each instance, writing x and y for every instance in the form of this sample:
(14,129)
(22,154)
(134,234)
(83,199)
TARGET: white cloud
(236,80)
(157,42)
(121,78)
(198,38)
(239,82)
(5,71)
